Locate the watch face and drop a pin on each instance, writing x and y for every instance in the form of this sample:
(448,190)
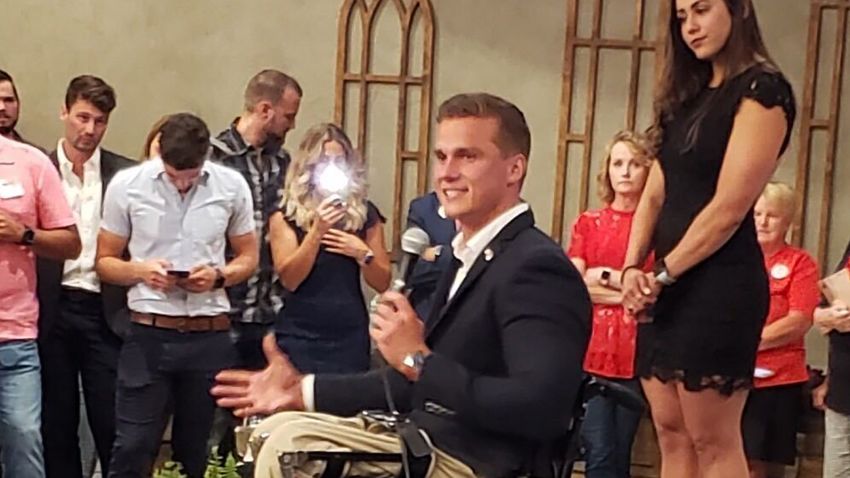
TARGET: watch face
(29,237)
(408,361)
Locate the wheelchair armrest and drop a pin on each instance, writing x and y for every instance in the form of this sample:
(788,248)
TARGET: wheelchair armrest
(337,461)
(385,418)
(622,395)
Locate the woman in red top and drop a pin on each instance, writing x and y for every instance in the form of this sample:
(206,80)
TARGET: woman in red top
(598,249)
(773,407)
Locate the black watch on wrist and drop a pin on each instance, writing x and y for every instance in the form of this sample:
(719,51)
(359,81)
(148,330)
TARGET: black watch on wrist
(28,237)
(219,279)
(368,257)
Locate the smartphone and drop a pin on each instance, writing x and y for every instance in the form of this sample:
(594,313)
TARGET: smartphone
(337,201)
(176,273)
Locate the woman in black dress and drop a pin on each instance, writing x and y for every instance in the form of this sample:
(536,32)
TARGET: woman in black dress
(724,114)
(324,236)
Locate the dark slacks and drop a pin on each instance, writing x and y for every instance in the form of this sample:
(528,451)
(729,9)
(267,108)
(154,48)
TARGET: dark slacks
(160,371)
(78,347)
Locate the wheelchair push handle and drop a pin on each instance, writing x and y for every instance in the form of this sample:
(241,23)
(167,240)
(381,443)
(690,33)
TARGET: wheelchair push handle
(619,393)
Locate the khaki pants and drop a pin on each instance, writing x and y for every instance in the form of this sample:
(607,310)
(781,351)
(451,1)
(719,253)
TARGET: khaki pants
(836,447)
(303,431)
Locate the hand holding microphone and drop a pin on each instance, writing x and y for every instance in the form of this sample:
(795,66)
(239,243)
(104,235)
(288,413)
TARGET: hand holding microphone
(413,242)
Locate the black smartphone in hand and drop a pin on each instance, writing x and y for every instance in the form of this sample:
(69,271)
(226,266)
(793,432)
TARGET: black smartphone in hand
(179,274)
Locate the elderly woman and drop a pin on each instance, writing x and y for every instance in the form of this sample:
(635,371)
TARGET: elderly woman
(325,234)
(773,407)
(598,249)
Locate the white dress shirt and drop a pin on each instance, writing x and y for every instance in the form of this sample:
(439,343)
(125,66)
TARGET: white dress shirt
(85,198)
(466,251)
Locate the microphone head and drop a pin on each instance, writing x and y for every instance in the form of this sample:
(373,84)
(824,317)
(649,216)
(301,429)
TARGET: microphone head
(414,241)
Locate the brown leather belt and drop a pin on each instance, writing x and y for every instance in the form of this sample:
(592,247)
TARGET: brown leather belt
(206,323)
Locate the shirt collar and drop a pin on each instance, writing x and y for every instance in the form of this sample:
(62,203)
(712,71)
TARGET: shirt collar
(467,251)
(158,169)
(238,142)
(270,147)
(67,167)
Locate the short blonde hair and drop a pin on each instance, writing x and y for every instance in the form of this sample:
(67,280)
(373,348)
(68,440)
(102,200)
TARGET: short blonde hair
(783,196)
(639,145)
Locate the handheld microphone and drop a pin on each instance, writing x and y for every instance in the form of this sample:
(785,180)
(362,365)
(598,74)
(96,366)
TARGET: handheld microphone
(414,241)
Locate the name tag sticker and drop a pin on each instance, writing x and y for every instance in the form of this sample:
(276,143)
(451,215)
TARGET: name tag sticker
(11,190)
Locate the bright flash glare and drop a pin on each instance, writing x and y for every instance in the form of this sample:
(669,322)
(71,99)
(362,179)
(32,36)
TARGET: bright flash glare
(332,179)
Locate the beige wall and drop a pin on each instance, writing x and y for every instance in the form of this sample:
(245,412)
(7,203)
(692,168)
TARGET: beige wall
(197,55)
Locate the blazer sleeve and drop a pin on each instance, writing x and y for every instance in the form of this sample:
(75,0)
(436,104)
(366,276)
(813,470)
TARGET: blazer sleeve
(544,314)
(349,394)
(426,274)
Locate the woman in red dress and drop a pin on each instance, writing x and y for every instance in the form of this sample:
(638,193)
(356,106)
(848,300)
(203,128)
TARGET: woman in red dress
(773,407)
(598,249)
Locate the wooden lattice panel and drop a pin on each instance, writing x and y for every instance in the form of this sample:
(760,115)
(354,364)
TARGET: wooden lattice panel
(412,73)
(569,133)
(812,121)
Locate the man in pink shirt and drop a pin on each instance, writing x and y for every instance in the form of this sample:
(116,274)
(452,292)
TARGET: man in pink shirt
(34,220)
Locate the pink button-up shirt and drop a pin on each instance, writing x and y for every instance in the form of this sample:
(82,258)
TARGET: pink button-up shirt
(30,192)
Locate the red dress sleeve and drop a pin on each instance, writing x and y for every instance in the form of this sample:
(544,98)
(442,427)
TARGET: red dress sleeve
(578,240)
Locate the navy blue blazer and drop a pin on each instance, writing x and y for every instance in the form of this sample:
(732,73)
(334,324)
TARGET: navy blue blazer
(506,366)
(424,213)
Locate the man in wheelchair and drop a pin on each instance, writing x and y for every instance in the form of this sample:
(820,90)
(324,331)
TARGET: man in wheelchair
(489,381)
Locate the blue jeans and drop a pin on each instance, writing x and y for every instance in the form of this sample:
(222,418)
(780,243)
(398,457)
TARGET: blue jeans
(608,432)
(20,410)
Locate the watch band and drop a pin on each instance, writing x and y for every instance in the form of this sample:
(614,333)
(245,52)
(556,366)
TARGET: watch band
(415,361)
(367,258)
(219,279)
(663,275)
(28,237)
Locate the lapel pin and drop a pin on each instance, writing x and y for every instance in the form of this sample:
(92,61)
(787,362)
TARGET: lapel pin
(488,254)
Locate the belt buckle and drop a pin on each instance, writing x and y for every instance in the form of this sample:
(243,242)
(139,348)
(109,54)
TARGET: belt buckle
(182,325)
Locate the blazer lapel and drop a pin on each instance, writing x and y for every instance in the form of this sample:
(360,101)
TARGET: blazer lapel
(108,168)
(54,158)
(441,293)
(489,253)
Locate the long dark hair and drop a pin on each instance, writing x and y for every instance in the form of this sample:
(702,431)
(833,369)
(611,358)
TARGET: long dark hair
(684,75)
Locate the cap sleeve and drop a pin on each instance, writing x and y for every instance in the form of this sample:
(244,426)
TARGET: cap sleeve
(771,89)
(577,248)
(373,216)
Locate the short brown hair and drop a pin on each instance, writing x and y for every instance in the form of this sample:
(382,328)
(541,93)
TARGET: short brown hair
(640,146)
(4,76)
(269,85)
(184,141)
(92,89)
(513,136)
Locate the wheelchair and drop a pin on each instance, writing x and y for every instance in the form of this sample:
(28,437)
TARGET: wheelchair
(560,455)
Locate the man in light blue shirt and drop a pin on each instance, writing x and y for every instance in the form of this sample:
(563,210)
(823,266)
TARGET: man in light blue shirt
(174,215)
